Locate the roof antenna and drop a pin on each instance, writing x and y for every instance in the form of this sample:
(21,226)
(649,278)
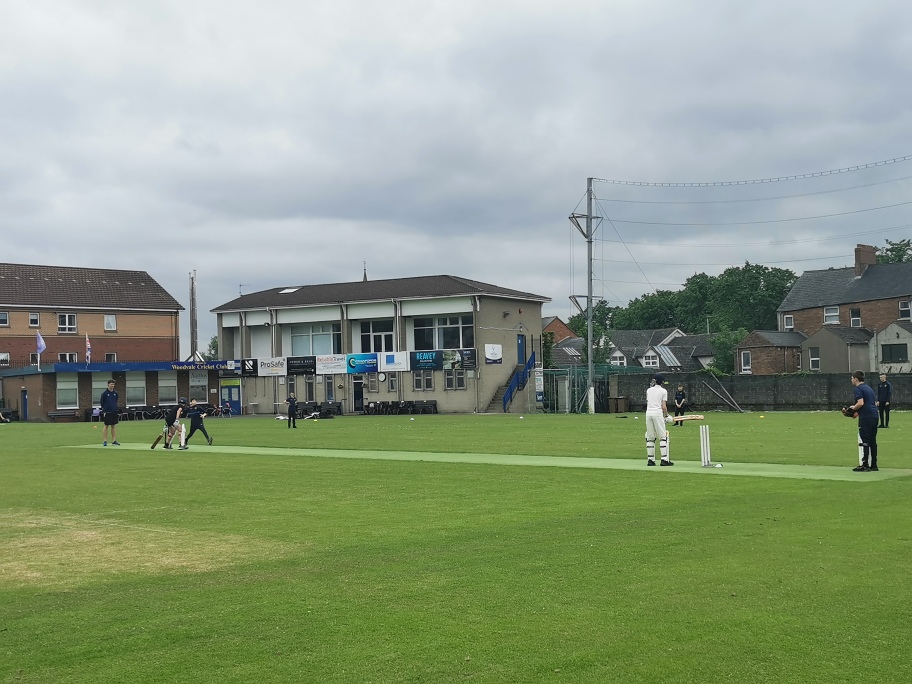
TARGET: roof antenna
(240,285)
(365,272)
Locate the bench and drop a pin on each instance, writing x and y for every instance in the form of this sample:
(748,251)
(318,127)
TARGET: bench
(330,409)
(65,413)
(427,406)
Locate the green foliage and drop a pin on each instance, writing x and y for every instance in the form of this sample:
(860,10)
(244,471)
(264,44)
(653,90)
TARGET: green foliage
(212,351)
(895,252)
(602,315)
(547,346)
(724,345)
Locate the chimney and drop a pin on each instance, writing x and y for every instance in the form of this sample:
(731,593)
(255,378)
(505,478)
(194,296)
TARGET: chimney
(865,255)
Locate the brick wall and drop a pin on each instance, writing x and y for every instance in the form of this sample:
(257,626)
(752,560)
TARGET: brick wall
(817,391)
(875,315)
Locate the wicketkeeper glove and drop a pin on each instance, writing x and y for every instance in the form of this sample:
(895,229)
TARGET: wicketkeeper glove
(849,412)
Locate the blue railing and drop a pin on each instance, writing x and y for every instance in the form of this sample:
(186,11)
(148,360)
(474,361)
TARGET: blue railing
(518,382)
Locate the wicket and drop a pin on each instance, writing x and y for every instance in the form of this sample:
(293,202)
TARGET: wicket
(705,454)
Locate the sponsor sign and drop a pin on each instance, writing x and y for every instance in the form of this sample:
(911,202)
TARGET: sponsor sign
(330,364)
(493,353)
(456,359)
(248,367)
(302,365)
(426,360)
(394,361)
(539,381)
(273,367)
(361,363)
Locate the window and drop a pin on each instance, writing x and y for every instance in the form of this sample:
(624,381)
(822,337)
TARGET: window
(393,383)
(4,359)
(451,332)
(310,391)
(311,339)
(167,387)
(798,360)
(199,385)
(33,359)
(110,357)
(788,322)
(33,320)
(618,359)
(814,358)
(454,379)
(136,388)
(423,380)
(830,314)
(67,390)
(855,318)
(746,361)
(376,336)
(110,322)
(4,318)
(66,323)
(99,385)
(894,353)
(67,357)
(373,384)
(651,361)
(904,310)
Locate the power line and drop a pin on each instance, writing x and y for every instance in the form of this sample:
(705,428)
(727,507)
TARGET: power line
(727,263)
(759,199)
(816,174)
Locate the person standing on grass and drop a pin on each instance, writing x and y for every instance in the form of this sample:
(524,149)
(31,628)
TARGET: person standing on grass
(866,407)
(292,410)
(680,400)
(656,420)
(172,421)
(196,413)
(884,396)
(111,412)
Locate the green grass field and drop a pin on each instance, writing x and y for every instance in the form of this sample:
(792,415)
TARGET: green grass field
(455,549)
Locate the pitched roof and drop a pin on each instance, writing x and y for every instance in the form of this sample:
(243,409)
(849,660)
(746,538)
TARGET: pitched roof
(624,339)
(419,287)
(82,288)
(840,286)
(782,339)
(568,352)
(850,335)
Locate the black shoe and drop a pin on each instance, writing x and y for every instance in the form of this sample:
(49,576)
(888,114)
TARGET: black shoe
(861,469)
(210,441)
(665,462)
(650,462)
(183,448)
(873,469)
(166,447)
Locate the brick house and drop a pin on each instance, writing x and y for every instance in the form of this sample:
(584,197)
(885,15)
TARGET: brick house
(555,326)
(768,352)
(664,349)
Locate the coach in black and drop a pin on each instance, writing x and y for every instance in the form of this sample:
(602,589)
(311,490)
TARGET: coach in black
(884,396)
(111,414)
(866,408)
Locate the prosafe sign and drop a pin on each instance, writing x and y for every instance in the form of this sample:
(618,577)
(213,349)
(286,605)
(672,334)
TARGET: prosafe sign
(271,367)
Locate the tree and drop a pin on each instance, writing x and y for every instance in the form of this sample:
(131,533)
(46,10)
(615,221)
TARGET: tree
(724,345)
(653,310)
(748,296)
(899,252)
(212,351)
(602,316)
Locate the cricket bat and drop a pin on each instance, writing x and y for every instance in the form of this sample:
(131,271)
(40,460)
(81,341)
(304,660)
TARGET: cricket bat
(159,438)
(693,416)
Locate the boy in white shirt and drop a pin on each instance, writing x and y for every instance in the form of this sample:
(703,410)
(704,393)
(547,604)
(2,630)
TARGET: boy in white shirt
(656,419)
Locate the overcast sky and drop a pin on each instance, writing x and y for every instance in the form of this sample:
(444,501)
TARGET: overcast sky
(266,144)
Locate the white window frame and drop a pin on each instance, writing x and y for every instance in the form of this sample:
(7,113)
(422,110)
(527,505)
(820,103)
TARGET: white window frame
(167,387)
(392,382)
(651,361)
(67,391)
(855,321)
(4,359)
(831,315)
(618,359)
(110,322)
(4,319)
(33,359)
(905,311)
(66,323)
(745,356)
(788,322)
(814,361)
(135,392)
(67,357)
(110,357)
(454,379)
(799,361)
(372,383)
(439,328)
(374,338)
(34,320)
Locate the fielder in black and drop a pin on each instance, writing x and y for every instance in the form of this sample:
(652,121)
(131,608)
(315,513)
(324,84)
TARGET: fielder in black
(866,409)
(292,410)
(884,396)
(196,413)
(680,400)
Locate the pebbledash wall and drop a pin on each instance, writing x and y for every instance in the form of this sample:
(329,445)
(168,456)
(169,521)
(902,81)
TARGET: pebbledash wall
(799,392)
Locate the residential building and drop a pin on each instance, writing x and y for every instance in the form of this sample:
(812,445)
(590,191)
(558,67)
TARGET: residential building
(665,349)
(769,352)
(836,349)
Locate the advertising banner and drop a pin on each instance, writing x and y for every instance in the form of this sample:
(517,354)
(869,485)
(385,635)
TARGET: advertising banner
(493,353)
(394,361)
(330,364)
(248,367)
(426,360)
(302,365)
(273,367)
(459,359)
(361,363)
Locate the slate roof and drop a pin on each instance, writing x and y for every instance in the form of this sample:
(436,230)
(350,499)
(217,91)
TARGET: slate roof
(420,287)
(568,352)
(682,351)
(840,286)
(624,339)
(82,288)
(782,339)
(850,335)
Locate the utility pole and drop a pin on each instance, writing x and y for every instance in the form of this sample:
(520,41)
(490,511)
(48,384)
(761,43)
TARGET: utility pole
(588,233)
(194,341)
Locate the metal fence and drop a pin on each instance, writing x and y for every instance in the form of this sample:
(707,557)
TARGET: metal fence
(565,388)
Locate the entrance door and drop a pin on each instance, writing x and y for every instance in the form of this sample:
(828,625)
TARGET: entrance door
(358,392)
(231,392)
(521,350)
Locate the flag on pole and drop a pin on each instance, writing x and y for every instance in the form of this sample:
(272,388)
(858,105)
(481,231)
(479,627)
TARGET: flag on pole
(41,345)
(88,350)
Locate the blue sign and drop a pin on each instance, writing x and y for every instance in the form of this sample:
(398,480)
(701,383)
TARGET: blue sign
(146,366)
(426,360)
(361,363)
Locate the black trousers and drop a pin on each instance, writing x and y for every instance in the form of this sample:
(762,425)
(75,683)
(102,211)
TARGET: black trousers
(292,419)
(867,432)
(884,412)
(194,428)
